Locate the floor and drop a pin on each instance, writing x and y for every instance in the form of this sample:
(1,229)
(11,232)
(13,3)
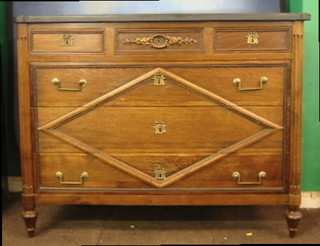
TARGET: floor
(112,225)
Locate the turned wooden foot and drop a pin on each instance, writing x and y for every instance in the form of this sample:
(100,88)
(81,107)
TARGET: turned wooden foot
(293,216)
(30,218)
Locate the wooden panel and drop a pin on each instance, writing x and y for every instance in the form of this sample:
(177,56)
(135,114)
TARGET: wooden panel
(67,41)
(219,174)
(50,144)
(99,81)
(261,40)
(73,165)
(168,199)
(132,41)
(218,79)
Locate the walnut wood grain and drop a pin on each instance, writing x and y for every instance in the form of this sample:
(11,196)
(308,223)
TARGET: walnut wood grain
(268,40)
(216,78)
(81,41)
(214,177)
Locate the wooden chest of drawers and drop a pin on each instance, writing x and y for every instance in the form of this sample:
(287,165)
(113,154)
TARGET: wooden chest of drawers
(161,110)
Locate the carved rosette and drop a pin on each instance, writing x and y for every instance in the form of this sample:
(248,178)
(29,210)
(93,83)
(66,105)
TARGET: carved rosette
(160,41)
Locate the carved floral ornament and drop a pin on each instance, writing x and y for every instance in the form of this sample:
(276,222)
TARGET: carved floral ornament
(160,41)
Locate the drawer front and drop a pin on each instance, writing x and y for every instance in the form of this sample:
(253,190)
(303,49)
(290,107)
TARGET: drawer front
(92,132)
(162,128)
(243,85)
(240,171)
(159,40)
(250,40)
(67,41)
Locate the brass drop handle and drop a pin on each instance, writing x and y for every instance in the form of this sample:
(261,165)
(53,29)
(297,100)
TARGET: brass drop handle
(263,80)
(83,176)
(81,83)
(237,176)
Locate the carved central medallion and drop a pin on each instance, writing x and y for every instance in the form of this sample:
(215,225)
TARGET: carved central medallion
(160,41)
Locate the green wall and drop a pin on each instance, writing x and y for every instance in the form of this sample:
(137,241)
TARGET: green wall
(311,120)
(10,164)
(311,113)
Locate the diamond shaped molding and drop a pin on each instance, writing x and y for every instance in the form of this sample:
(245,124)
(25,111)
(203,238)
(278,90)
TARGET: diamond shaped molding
(268,128)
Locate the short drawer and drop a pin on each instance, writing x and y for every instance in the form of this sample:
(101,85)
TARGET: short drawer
(137,41)
(67,41)
(250,40)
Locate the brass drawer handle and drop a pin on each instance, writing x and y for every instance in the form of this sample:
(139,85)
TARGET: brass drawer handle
(263,80)
(81,83)
(83,176)
(237,176)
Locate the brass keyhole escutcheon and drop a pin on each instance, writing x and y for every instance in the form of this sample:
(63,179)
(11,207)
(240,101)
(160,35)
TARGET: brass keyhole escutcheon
(67,40)
(252,38)
(160,173)
(158,79)
(159,127)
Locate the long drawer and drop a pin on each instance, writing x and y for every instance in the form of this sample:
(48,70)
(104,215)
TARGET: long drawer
(240,171)
(76,85)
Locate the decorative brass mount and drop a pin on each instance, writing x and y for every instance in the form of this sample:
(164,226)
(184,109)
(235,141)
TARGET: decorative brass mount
(237,176)
(81,83)
(83,176)
(160,41)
